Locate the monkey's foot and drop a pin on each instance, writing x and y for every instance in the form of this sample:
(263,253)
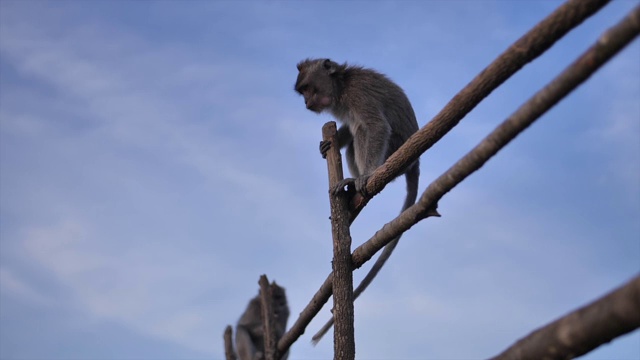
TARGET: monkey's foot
(345,183)
(361,185)
(358,184)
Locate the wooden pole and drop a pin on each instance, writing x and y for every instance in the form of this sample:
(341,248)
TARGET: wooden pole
(229,353)
(268,321)
(343,335)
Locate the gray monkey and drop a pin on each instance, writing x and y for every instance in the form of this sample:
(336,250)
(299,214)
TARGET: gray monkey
(376,119)
(249,330)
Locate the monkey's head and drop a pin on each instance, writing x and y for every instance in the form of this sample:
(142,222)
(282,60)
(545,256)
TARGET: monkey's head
(318,83)
(279,299)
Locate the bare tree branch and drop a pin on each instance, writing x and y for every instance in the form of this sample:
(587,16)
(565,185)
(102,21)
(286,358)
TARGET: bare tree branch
(229,353)
(583,330)
(535,42)
(268,322)
(524,50)
(310,311)
(343,335)
(610,43)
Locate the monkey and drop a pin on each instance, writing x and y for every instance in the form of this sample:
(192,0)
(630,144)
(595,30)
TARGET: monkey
(249,330)
(376,119)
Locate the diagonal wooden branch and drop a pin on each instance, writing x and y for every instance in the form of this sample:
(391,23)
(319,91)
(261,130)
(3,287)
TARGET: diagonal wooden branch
(229,353)
(578,72)
(535,42)
(609,44)
(268,321)
(343,336)
(582,330)
(310,311)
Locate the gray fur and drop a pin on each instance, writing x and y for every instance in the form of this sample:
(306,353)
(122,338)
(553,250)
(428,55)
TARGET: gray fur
(249,330)
(376,119)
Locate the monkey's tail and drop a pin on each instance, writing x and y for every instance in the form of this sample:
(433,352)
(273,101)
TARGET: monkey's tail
(412,176)
(318,336)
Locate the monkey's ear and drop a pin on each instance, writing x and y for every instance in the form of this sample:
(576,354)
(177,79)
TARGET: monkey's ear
(329,65)
(302,65)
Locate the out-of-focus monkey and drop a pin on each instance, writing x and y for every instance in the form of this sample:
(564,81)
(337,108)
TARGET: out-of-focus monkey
(249,330)
(376,119)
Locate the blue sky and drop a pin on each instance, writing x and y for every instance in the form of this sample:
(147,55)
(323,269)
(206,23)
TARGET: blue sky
(155,161)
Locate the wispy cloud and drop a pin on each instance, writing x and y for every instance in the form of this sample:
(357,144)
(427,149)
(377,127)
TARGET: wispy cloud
(131,278)
(12,284)
(153,177)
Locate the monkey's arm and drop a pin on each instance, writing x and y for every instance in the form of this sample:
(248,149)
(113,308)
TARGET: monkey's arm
(344,138)
(244,345)
(249,332)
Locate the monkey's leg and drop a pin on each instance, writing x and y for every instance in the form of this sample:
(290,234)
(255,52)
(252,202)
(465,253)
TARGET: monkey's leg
(353,169)
(370,148)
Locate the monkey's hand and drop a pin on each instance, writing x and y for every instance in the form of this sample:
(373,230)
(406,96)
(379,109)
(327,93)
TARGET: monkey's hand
(325,145)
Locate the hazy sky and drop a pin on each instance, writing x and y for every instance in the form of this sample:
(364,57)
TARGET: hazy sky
(155,161)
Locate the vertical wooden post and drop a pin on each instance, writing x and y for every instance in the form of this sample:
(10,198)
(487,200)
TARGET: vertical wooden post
(229,353)
(268,322)
(343,334)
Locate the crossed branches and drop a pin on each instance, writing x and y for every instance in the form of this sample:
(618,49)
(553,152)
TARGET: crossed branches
(576,333)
